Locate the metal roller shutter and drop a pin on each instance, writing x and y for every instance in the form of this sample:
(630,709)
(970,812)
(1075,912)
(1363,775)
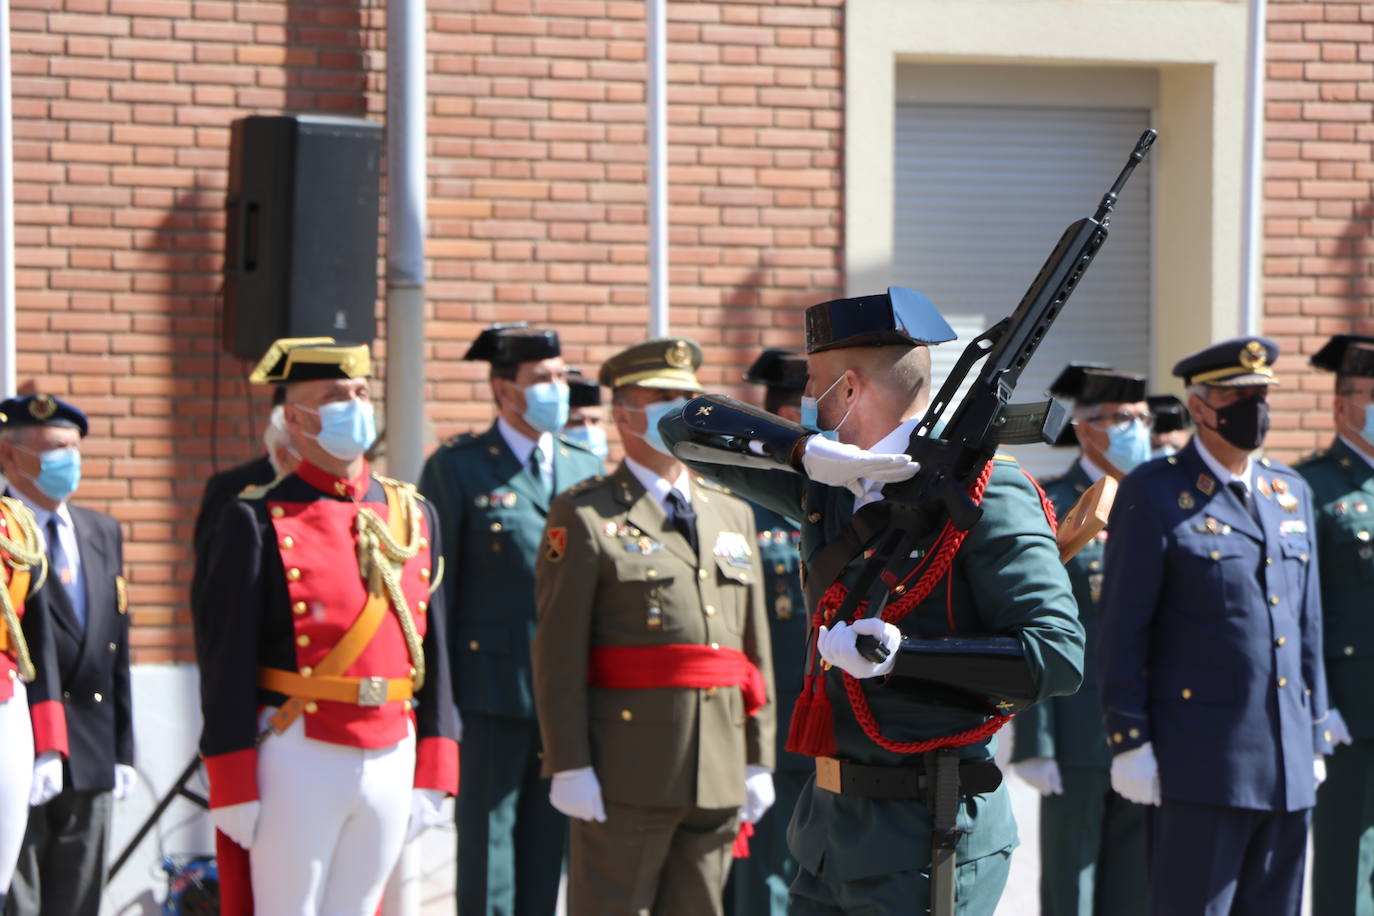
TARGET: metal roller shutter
(982,194)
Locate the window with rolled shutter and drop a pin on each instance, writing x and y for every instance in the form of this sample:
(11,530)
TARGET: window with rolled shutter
(982,195)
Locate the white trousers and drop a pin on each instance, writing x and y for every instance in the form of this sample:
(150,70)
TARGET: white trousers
(16,774)
(332,825)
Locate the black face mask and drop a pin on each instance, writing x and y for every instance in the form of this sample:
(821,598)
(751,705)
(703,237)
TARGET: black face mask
(1245,423)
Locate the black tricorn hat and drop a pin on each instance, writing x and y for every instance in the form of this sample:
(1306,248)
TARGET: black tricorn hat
(777,368)
(1347,354)
(898,316)
(582,391)
(1169,414)
(517,342)
(1096,383)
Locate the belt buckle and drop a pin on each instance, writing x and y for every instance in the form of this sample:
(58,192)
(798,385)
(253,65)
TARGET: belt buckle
(372,691)
(828,775)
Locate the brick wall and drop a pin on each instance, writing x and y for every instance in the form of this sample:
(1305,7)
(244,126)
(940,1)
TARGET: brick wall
(122,110)
(1318,273)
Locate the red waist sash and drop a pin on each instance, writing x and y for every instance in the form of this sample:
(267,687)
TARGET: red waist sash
(679,665)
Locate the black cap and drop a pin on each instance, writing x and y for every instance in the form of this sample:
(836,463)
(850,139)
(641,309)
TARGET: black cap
(899,316)
(508,344)
(1347,354)
(41,410)
(1097,383)
(781,369)
(582,391)
(1169,414)
(1231,363)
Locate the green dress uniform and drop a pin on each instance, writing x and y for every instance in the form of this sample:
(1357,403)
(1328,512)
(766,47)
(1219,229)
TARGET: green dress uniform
(759,882)
(492,511)
(615,575)
(1342,482)
(1092,841)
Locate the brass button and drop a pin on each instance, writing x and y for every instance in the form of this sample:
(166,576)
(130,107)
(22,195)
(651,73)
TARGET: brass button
(1268,561)
(288,542)
(99,698)
(302,641)
(293,574)
(814,517)
(495,546)
(1362,535)
(307,671)
(424,542)
(413,672)
(1094,564)
(495,526)
(1349,650)
(899,589)
(715,646)
(473,646)
(780,568)
(626,715)
(12,674)
(701,574)
(1186,693)
(1134,733)
(66,694)
(111,647)
(422,606)
(1117,738)
(710,611)
(312,707)
(651,574)
(299,607)
(278,511)
(712,691)
(1302,558)
(1281,640)
(1273,599)
(1283,682)
(1327,735)
(424,573)
(1215,554)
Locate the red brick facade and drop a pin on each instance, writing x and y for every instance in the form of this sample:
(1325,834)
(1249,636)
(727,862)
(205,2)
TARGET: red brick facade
(536,112)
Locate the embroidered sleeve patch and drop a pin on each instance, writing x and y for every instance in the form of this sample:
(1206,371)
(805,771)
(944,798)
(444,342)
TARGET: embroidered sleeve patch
(555,544)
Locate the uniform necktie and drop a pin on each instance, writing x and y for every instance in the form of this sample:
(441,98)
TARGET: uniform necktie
(542,481)
(684,518)
(1243,494)
(62,570)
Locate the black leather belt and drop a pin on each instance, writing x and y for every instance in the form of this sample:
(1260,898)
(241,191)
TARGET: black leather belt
(843,777)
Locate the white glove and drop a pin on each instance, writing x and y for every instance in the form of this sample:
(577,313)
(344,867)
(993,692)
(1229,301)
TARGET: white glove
(1319,769)
(841,465)
(1042,773)
(47,778)
(836,645)
(126,780)
(425,811)
(759,794)
(1335,724)
(1135,775)
(238,822)
(577,793)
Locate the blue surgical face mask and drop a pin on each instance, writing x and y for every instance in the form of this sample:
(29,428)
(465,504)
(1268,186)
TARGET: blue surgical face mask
(546,406)
(60,471)
(652,414)
(810,414)
(1128,445)
(593,437)
(347,428)
(1367,434)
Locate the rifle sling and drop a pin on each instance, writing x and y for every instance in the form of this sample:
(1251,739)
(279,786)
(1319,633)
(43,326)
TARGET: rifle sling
(359,634)
(829,563)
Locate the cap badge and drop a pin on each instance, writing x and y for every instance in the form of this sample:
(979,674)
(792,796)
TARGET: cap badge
(678,356)
(1252,356)
(42,407)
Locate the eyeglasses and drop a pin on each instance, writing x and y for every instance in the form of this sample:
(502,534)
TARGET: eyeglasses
(1120,418)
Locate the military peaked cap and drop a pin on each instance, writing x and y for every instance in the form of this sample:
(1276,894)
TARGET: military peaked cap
(305,359)
(41,410)
(782,369)
(1347,354)
(898,316)
(664,362)
(1231,363)
(508,344)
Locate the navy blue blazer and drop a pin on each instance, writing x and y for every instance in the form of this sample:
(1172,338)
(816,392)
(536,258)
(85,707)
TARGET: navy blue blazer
(1211,633)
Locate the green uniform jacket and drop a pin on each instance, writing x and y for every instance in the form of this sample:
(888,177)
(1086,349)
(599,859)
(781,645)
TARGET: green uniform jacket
(615,572)
(779,548)
(1069,728)
(1342,484)
(1007,581)
(492,513)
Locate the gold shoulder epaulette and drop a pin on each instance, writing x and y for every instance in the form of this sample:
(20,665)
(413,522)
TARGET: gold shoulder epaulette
(584,485)
(259,490)
(398,484)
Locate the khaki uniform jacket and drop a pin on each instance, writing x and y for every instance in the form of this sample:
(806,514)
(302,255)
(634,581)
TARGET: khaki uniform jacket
(614,572)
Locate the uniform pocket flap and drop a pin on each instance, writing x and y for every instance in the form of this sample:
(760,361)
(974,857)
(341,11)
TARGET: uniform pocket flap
(734,573)
(1297,548)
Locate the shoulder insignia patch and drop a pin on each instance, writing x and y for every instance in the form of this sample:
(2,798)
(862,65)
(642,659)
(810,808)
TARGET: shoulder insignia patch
(555,543)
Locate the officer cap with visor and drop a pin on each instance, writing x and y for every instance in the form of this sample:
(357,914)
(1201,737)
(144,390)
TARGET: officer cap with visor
(663,362)
(41,410)
(1238,362)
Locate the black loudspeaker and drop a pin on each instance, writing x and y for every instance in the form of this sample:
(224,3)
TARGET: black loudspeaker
(300,243)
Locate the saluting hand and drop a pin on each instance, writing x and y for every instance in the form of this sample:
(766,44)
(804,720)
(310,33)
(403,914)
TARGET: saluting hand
(842,465)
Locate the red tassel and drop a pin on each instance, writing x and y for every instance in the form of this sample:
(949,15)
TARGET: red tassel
(742,840)
(812,729)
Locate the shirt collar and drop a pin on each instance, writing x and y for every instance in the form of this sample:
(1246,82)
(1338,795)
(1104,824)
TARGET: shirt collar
(328,483)
(657,487)
(1090,468)
(522,445)
(1369,459)
(41,515)
(1222,473)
